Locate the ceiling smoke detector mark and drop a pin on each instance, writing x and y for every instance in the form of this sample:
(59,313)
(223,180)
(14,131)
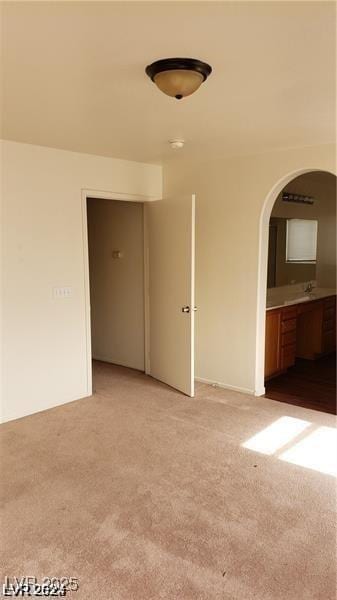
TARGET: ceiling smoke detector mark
(176,144)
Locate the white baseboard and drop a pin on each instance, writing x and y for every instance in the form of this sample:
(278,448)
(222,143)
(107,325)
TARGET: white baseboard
(13,417)
(260,391)
(106,359)
(226,386)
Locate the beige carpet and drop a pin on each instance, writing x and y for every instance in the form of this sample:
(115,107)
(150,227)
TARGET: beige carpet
(144,494)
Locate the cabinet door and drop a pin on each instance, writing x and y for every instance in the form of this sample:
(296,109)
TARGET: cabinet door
(288,356)
(309,330)
(329,326)
(273,331)
(329,341)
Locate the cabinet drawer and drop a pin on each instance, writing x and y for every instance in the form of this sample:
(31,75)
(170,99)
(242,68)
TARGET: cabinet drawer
(289,313)
(288,354)
(329,313)
(289,325)
(313,305)
(288,338)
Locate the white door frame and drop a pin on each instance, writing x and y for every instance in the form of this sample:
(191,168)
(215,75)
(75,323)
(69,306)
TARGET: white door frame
(107,195)
(262,273)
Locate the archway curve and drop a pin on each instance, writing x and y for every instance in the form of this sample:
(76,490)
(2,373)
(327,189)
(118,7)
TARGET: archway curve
(262,271)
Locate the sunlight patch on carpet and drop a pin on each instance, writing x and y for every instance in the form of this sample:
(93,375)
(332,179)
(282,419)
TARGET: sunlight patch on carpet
(276,435)
(316,451)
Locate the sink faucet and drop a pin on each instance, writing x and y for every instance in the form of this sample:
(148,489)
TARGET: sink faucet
(309,287)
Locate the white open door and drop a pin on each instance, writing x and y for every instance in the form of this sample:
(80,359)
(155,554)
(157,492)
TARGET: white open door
(171,240)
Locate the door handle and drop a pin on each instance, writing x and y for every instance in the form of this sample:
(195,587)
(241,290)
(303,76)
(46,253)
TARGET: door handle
(186,309)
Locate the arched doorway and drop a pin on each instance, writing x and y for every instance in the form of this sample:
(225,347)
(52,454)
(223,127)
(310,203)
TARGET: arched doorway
(263,268)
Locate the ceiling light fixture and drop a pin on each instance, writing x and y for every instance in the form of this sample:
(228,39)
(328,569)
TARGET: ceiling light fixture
(176,144)
(178,77)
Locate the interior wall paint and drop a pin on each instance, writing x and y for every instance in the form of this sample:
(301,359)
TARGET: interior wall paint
(322,187)
(116,284)
(230,198)
(44,338)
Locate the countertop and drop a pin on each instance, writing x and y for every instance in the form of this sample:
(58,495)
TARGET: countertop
(284,298)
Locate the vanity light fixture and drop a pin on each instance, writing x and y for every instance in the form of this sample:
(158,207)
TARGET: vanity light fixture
(297,198)
(178,77)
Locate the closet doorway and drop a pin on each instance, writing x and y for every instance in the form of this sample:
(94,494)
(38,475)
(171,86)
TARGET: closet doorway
(116,275)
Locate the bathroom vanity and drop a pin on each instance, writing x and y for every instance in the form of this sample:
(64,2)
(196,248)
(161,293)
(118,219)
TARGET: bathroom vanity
(302,326)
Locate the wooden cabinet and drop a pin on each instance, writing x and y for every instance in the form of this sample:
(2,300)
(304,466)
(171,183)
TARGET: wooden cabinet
(280,348)
(309,327)
(272,352)
(329,326)
(288,337)
(316,326)
(305,330)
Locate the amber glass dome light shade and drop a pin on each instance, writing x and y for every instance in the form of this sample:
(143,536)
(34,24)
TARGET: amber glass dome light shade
(178,77)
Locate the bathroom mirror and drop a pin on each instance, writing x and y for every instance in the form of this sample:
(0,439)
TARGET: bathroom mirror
(292,251)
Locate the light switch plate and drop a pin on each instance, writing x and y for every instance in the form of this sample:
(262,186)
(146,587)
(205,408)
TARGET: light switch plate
(62,292)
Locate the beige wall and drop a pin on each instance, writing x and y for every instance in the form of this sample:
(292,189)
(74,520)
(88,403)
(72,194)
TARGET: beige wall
(45,358)
(321,186)
(117,284)
(230,196)
(44,338)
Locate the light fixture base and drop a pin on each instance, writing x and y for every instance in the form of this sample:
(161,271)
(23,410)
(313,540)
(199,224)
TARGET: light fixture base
(177,144)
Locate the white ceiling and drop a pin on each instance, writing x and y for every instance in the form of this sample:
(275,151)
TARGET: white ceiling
(74,76)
